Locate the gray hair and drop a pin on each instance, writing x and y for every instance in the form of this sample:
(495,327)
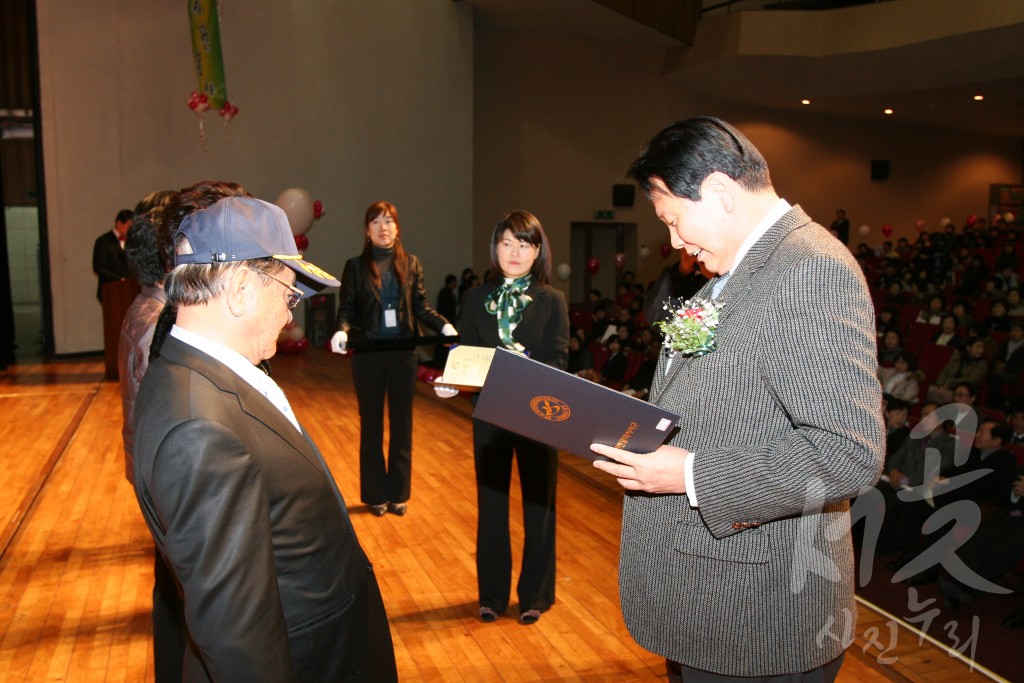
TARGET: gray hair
(195,284)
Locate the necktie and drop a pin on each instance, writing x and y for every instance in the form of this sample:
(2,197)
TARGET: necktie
(716,289)
(274,394)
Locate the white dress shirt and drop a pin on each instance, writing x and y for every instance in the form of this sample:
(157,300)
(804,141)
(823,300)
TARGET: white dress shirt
(241,366)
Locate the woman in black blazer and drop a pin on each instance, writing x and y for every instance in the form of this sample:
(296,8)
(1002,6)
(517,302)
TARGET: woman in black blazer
(382,297)
(516,309)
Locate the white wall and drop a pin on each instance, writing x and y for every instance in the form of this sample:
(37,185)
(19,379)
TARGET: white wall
(353,100)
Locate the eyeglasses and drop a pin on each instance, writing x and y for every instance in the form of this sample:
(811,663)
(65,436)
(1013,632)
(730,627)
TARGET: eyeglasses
(294,296)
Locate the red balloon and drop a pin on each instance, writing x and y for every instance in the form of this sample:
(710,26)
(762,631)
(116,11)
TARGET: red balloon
(302,344)
(301,242)
(919,224)
(620,260)
(593,265)
(288,346)
(887,230)
(666,249)
(971,220)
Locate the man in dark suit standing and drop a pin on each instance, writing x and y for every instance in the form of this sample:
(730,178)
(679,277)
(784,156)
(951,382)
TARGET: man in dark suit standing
(841,227)
(736,559)
(108,259)
(237,497)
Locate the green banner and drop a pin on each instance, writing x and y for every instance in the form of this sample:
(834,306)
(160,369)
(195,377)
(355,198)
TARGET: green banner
(206,52)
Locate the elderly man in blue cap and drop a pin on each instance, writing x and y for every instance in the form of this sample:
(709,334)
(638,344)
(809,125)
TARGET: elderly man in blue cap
(237,496)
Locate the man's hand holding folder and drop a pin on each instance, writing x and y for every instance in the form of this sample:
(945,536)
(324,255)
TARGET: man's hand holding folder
(659,472)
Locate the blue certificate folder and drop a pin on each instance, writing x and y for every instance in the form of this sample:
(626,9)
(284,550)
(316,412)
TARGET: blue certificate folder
(568,412)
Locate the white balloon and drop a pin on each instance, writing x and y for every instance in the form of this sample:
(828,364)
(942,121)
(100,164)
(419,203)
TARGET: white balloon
(944,221)
(1009,217)
(564,271)
(644,251)
(864,230)
(298,206)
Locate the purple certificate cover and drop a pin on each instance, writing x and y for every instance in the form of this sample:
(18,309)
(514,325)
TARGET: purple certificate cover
(568,412)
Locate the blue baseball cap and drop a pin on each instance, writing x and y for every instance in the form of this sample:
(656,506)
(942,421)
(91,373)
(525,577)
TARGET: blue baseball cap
(242,229)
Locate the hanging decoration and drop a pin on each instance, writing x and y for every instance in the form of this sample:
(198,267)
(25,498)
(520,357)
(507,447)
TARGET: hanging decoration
(665,249)
(564,271)
(212,92)
(619,260)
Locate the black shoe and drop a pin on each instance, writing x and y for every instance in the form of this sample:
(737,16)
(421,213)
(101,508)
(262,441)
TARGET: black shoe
(530,616)
(487,615)
(1015,620)
(378,510)
(398,508)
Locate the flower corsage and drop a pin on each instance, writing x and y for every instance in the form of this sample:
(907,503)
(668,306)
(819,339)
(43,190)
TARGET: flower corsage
(690,330)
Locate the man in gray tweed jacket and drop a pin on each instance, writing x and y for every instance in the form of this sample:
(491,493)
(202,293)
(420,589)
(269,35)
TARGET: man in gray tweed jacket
(736,558)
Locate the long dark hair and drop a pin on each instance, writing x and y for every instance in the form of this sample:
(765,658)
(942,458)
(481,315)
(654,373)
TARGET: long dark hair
(400,259)
(524,227)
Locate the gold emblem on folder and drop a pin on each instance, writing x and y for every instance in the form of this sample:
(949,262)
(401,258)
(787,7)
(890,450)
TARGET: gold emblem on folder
(550,408)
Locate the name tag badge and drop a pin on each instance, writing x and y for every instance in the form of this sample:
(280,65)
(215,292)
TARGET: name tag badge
(390,318)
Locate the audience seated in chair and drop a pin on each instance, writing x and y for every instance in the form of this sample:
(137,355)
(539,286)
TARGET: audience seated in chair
(966,366)
(902,379)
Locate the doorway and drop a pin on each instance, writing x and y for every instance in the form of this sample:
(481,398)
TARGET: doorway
(593,250)
(24,270)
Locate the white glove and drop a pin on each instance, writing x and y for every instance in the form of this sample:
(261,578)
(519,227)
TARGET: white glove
(443,390)
(449,330)
(339,341)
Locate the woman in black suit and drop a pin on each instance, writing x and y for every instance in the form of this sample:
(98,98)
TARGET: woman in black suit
(516,309)
(382,297)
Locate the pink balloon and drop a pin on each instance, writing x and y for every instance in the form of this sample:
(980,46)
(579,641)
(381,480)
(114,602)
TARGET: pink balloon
(593,265)
(298,206)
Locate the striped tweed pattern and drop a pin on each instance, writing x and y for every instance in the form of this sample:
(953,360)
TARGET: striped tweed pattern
(784,417)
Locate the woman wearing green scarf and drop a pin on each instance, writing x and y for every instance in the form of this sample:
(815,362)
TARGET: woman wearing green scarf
(516,309)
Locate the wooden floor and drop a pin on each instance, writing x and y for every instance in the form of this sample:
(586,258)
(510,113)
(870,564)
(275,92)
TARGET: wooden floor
(76,558)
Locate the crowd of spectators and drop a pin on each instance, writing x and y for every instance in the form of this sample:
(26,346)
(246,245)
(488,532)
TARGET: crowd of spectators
(950,327)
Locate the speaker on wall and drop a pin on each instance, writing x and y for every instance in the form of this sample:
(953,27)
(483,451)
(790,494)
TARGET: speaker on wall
(879,169)
(623,195)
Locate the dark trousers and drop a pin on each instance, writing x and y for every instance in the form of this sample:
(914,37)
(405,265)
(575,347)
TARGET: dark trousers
(377,374)
(168,624)
(493,450)
(823,674)
(996,547)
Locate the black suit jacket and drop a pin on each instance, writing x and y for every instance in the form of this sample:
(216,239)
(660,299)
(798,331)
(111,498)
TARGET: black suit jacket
(252,525)
(108,261)
(359,307)
(544,329)
(991,487)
